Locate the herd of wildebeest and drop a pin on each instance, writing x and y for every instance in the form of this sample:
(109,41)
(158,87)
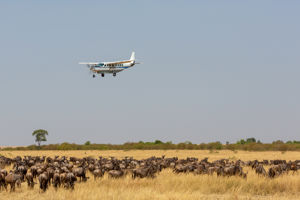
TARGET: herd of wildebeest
(64,172)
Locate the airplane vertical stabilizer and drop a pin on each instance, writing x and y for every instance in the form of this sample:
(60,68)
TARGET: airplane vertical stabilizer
(132,57)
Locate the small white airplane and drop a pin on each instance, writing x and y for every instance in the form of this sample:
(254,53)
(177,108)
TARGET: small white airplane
(110,67)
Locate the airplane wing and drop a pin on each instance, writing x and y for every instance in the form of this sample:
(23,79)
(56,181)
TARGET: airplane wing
(117,62)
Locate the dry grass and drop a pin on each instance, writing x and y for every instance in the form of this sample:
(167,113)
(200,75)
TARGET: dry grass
(168,185)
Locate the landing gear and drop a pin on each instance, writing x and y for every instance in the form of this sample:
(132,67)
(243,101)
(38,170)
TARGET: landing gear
(94,75)
(102,75)
(114,74)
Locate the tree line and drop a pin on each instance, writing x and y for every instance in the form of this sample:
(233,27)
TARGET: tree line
(249,144)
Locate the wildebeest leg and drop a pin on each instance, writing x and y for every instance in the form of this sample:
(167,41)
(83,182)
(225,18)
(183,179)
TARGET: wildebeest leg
(12,187)
(32,184)
(84,178)
(72,186)
(44,187)
(18,182)
(41,185)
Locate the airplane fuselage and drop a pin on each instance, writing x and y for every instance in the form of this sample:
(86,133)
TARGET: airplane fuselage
(112,68)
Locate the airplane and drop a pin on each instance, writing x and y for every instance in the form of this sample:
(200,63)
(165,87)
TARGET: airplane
(110,67)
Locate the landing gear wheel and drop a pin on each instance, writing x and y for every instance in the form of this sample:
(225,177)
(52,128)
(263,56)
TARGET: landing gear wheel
(94,75)
(102,75)
(114,74)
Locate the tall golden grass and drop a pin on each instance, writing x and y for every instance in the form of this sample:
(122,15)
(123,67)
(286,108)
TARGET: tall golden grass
(168,185)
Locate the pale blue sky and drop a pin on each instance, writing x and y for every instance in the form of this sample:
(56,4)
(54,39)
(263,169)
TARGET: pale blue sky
(212,71)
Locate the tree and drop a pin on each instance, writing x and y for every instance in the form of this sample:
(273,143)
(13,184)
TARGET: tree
(158,142)
(250,140)
(87,143)
(278,142)
(40,136)
(242,141)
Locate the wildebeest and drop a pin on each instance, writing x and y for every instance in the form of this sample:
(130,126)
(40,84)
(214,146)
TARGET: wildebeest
(29,179)
(260,170)
(70,180)
(116,173)
(2,180)
(56,180)
(143,172)
(43,179)
(97,173)
(80,172)
(11,179)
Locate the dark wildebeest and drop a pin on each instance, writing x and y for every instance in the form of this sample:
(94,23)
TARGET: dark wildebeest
(116,173)
(260,170)
(70,180)
(97,173)
(211,170)
(43,179)
(143,172)
(56,180)
(62,178)
(29,179)
(80,172)
(33,170)
(293,167)
(200,169)
(22,170)
(180,168)
(11,179)
(234,170)
(2,180)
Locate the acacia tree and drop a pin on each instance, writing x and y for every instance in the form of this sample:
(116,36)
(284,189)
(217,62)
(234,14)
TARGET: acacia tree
(40,136)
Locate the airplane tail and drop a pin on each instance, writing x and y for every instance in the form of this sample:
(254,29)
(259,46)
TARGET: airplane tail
(132,57)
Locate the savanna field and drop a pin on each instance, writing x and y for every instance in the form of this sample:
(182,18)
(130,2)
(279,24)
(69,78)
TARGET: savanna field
(167,184)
